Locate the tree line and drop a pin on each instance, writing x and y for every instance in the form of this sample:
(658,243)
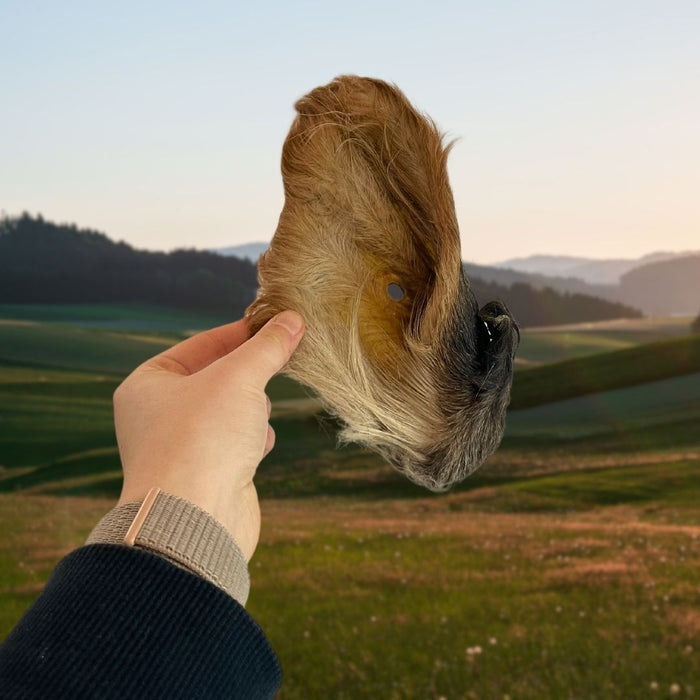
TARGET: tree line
(46,263)
(547,307)
(42,262)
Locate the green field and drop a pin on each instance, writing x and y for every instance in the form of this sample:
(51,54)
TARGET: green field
(566,567)
(543,345)
(595,373)
(116,316)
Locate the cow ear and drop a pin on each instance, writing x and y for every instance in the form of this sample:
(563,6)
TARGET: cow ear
(368,234)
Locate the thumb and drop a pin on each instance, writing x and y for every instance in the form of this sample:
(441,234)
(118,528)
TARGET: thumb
(268,351)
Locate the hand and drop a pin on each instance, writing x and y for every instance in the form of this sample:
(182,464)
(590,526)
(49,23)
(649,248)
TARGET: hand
(193,421)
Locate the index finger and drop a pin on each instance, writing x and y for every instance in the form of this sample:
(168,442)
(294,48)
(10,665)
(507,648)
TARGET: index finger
(199,351)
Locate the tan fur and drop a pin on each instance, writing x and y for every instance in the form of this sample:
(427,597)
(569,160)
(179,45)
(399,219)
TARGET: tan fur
(367,202)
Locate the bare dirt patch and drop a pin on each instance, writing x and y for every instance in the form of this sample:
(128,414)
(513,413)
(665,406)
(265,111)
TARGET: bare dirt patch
(619,324)
(437,516)
(686,619)
(17,322)
(511,464)
(596,572)
(25,589)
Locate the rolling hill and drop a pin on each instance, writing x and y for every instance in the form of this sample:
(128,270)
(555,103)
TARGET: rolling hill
(56,419)
(250,251)
(603,372)
(664,288)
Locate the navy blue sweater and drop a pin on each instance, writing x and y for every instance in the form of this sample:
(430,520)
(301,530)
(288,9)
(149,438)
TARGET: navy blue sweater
(120,622)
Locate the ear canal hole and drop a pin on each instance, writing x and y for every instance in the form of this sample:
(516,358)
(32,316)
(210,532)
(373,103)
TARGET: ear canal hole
(395,291)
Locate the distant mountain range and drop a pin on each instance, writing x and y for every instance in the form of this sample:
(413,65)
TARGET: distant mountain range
(670,286)
(587,269)
(660,284)
(248,251)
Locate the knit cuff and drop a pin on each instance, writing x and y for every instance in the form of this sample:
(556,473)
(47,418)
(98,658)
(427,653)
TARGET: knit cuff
(184,534)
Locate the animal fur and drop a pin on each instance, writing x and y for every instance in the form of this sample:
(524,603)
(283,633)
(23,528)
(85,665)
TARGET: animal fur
(424,380)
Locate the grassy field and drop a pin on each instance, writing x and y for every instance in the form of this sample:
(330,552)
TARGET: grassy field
(602,372)
(116,316)
(555,343)
(567,567)
(435,598)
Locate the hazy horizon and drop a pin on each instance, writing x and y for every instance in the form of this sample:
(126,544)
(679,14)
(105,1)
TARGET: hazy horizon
(531,255)
(162,124)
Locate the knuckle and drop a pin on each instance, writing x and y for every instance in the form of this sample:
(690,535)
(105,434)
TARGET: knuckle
(279,338)
(275,350)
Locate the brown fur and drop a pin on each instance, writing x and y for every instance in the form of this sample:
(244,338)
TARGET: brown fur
(425,380)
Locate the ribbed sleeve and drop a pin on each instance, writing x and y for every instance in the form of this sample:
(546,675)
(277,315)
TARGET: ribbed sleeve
(186,535)
(121,622)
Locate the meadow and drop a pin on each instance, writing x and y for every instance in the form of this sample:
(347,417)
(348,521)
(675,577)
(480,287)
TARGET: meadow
(567,567)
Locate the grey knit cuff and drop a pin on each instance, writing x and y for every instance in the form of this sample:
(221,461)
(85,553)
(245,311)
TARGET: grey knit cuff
(184,534)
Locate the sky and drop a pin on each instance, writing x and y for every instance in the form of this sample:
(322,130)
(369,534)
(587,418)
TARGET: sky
(161,123)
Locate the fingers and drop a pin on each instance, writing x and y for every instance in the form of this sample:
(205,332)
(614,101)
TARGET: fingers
(201,350)
(258,359)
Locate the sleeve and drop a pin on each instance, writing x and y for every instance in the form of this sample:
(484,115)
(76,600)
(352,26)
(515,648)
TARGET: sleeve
(184,534)
(123,622)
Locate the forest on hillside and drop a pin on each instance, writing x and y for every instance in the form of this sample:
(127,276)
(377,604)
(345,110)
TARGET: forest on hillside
(547,307)
(44,262)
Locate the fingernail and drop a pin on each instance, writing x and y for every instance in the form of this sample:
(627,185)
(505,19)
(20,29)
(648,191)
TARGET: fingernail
(291,320)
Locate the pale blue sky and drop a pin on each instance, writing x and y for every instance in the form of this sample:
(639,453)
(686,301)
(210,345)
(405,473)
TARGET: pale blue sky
(161,123)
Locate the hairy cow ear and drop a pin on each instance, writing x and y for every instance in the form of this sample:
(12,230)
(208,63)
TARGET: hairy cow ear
(367,251)
(368,224)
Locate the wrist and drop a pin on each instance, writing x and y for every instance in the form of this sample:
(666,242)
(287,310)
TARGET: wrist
(181,532)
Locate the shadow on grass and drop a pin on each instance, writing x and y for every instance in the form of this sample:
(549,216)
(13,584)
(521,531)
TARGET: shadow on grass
(75,390)
(677,432)
(80,465)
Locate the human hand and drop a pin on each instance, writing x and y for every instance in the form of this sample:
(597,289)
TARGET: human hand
(193,420)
